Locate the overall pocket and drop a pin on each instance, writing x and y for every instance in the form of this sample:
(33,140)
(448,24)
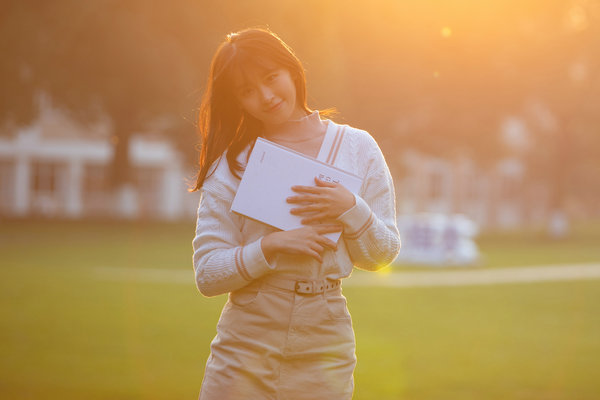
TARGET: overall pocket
(337,307)
(245,296)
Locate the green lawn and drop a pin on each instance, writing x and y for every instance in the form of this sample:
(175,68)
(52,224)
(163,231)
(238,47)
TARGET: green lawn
(67,333)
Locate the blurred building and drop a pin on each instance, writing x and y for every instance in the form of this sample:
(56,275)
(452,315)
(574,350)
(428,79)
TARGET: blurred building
(499,197)
(58,168)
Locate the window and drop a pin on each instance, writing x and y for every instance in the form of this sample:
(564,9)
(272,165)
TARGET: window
(148,182)
(47,187)
(97,200)
(7,171)
(44,177)
(435,186)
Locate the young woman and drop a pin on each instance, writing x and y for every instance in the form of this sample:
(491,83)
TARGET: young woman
(285,331)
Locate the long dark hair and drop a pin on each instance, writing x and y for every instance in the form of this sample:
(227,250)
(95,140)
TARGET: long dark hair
(223,125)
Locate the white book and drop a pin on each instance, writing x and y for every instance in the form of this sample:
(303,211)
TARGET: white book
(271,172)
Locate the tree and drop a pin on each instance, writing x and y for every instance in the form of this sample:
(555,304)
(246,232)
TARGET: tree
(436,76)
(100,57)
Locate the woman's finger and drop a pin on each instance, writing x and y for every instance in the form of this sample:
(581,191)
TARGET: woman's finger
(314,255)
(328,243)
(323,183)
(312,219)
(315,218)
(317,247)
(303,199)
(306,209)
(307,189)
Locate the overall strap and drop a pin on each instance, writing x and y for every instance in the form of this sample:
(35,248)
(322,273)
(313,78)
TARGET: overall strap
(331,143)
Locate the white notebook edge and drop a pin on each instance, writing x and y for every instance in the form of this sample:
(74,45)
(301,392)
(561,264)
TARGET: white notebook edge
(307,157)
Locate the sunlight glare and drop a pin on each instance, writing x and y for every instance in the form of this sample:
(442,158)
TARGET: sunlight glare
(576,19)
(384,271)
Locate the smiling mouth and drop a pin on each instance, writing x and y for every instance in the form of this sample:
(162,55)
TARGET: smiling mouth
(275,107)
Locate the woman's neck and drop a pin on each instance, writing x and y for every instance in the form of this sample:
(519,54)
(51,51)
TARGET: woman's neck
(296,130)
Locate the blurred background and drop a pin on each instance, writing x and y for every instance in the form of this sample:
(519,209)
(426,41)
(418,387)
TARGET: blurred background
(487,110)
(484,108)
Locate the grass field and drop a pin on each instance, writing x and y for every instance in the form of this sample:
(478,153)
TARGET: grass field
(65,333)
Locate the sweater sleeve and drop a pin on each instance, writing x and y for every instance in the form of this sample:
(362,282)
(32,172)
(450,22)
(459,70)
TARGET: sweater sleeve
(222,261)
(370,232)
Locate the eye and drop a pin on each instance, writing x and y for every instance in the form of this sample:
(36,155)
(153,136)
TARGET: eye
(272,77)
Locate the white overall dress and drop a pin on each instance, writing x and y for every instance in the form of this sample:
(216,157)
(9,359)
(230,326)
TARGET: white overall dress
(283,337)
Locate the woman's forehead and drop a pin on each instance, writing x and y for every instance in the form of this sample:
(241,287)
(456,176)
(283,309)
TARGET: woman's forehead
(245,73)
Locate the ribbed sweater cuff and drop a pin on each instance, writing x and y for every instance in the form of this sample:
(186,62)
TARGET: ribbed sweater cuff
(254,261)
(357,219)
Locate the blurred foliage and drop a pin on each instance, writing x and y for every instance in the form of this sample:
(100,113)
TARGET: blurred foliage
(439,76)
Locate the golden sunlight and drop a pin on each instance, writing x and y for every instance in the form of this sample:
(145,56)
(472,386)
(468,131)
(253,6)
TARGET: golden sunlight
(384,271)
(576,18)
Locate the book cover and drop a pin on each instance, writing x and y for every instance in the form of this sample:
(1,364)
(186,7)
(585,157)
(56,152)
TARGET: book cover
(269,175)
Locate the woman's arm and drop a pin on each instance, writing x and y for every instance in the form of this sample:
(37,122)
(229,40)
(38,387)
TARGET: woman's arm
(222,261)
(370,230)
(369,222)
(309,241)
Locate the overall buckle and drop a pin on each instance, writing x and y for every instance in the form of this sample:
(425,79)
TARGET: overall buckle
(309,287)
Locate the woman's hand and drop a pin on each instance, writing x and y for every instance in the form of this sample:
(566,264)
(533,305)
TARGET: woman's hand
(309,240)
(325,201)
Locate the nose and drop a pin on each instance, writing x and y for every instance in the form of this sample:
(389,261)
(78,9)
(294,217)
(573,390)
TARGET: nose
(266,94)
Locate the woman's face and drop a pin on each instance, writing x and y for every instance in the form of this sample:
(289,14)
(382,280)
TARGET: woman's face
(269,95)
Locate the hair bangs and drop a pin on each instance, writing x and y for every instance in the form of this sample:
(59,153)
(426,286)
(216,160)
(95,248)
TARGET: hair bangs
(244,64)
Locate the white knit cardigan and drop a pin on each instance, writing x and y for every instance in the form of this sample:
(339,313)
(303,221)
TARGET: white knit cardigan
(227,246)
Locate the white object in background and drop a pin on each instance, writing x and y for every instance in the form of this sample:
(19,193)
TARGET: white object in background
(558,226)
(437,239)
(269,175)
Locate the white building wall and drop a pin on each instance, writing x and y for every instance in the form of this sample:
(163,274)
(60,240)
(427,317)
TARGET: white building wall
(74,188)
(431,184)
(173,192)
(69,156)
